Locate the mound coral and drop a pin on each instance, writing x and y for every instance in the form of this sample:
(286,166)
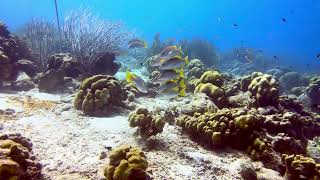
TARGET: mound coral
(224,128)
(216,94)
(99,95)
(126,163)
(300,167)
(147,122)
(16,160)
(264,87)
(213,77)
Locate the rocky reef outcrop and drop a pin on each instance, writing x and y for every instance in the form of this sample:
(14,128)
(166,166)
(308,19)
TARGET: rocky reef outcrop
(12,51)
(126,163)
(16,159)
(99,95)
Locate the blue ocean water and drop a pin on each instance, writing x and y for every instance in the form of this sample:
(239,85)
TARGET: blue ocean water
(259,23)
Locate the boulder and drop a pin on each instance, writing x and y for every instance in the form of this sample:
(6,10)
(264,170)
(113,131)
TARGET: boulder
(52,81)
(27,66)
(105,65)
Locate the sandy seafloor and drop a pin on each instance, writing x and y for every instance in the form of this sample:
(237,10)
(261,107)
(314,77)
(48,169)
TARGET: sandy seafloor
(72,146)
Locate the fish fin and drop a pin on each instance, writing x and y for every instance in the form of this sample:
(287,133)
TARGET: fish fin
(181,73)
(176,89)
(145,44)
(182,92)
(182,84)
(186,59)
(128,76)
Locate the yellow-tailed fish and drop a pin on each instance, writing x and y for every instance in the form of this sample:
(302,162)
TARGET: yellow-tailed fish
(137,43)
(172,84)
(166,54)
(168,75)
(176,62)
(174,92)
(138,82)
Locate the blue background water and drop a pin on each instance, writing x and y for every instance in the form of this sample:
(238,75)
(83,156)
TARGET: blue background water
(260,25)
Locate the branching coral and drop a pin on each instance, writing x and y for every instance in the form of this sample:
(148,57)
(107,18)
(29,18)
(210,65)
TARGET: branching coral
(99,95)
(147,122)
(126,163)
(16,160)
(300,167)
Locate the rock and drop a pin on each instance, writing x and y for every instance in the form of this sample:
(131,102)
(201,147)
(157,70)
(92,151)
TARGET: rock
(23,83)
(275,72)
(245,168)
(51,81)
(268,174)
(67,63)
(105,65)
(290,80)
(243,99)
(27,66)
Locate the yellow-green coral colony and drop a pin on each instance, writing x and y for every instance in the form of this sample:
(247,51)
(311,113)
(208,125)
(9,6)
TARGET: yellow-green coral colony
(126,163)
(147,122)
(99,95)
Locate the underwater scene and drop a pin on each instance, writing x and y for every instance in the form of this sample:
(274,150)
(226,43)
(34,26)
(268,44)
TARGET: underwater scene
(161,90)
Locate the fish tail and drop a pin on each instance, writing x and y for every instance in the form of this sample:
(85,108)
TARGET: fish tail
(182,92)
(181,74)
(128,76)
(186,59)
(176,89)
(182,84)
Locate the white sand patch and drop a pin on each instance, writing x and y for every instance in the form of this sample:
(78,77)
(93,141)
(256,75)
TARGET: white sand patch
(116,124)
(183,170)
(6,104)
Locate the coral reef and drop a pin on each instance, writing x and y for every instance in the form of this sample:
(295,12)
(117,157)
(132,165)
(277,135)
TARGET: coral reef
(16,160)
(148,123)
(300,167)
(264,87)
(126,163)
(99,95)
(215,93)
(213,77)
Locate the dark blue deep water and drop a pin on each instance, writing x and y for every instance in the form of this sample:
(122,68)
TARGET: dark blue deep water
(288,29)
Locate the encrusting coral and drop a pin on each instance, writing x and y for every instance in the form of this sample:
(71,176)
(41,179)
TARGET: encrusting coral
(264,87)
(99,95)
(16,160)
(300,167)
(147,122)
(126,163)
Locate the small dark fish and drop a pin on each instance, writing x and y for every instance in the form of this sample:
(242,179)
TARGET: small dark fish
(275,57)
(308,65)
(284,19)
(235,25)
(318,55)
(260,51)
(291,11)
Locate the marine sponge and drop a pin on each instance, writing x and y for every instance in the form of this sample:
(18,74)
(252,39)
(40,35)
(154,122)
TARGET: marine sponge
(148,123)
(265,88)
(16,160)
(126,163)
(300,167)
(216,94)
(213,77)
(99,95)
